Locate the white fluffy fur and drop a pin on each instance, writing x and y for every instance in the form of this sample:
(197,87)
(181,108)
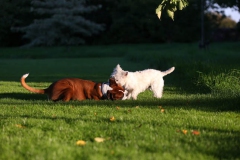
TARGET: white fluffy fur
(25,75)
(137,82)
(104,88)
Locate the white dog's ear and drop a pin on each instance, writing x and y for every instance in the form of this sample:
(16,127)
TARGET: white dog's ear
(118,67)
(124,73)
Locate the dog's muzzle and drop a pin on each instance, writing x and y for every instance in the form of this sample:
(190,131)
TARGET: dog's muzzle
(115,95)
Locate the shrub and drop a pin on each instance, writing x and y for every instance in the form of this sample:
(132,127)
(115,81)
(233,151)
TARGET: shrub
(226,84)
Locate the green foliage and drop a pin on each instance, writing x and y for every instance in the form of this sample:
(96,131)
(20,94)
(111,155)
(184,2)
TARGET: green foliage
(13,13)
(60,23)
(131,24)
(124,22)
(171,7)
(225,83)
(227,23)
(61,52)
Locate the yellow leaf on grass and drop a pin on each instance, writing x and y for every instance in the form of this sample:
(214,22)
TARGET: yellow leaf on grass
(162,110)
(20,126)
(99,139)
(184,131)
(195,132)
(80,143)
(117,108)
(112,119)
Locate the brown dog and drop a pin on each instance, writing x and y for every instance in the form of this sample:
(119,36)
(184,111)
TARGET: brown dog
(78,89)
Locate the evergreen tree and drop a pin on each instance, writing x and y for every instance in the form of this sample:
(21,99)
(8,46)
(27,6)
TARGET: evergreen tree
(60,22)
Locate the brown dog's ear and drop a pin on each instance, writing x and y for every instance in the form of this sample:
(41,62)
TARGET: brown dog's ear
(112,82)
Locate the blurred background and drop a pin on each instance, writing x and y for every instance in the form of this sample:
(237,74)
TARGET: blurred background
(100,22)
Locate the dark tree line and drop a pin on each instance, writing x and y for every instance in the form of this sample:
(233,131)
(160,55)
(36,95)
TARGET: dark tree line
(100,22)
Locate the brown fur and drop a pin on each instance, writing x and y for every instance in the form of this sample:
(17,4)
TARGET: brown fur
(117,92)
(76,89)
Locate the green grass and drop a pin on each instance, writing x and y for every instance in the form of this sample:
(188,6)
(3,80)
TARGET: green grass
(31,127)
(97,69)
(223,83)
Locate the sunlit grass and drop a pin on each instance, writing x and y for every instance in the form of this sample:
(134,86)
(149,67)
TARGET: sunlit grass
(32,128)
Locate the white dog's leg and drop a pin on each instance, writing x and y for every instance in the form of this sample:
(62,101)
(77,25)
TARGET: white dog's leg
(158,94)
(134,94)
(157,88)
(129,94)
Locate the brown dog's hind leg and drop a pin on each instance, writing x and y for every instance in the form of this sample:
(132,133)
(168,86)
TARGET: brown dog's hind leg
(67,95)
(96,98)
(64,95)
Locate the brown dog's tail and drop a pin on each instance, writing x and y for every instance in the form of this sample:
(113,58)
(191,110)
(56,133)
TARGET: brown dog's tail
(31,89)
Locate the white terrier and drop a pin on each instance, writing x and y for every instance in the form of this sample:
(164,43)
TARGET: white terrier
(137,82)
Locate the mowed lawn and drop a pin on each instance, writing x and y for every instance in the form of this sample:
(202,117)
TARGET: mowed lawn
(189,122)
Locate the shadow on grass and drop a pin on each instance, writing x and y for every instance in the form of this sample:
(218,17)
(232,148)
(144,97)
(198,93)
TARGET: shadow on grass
(211,104)
(23,96)
(221,137)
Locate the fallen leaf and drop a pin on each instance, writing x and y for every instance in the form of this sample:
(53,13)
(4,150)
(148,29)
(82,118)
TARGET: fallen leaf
(195,132)
(117,108)
(19,126)
(162,110)
(80,143)
(95,113)
(137,106)
(99,139)
(160,107)
(184,131)
(112,119)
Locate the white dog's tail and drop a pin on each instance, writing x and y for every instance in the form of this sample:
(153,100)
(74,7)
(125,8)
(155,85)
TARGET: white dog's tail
(170,70)
(34,90)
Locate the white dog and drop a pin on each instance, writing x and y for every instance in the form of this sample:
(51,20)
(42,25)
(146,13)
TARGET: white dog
(137,82)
